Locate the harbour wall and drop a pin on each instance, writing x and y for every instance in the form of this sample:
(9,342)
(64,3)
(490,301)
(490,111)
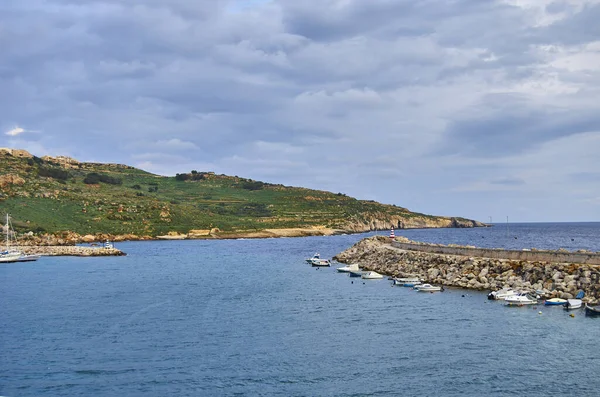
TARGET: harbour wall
(72,250)
(552,278)
(592,258)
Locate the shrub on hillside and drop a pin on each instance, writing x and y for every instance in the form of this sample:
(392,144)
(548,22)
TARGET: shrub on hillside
(252,185)
(94,178)
(55,173)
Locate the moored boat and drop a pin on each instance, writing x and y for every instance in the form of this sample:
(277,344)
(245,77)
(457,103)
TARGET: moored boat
(427,288)
(349,268)
(11,254)
(502,294)
(371,275)
(408,279)
(320,262)
(315,256)
(573,304)
(555,302)
(520,300)
(592,311)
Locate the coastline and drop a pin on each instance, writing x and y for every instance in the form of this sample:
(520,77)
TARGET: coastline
(68,238)
(465,270)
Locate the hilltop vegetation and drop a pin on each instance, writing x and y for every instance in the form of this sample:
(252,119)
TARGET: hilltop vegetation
(49,195)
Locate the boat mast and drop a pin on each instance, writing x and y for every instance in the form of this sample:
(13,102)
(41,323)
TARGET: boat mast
(6,229)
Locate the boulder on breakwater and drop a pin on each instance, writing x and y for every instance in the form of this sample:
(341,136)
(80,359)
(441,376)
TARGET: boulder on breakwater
(555,279)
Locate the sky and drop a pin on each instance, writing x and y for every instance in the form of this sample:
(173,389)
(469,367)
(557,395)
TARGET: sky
(488,110)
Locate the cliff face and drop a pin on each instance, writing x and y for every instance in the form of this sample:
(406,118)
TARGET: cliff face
(562,280)
(412,222)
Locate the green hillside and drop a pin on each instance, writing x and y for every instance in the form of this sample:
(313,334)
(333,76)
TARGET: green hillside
(57,194)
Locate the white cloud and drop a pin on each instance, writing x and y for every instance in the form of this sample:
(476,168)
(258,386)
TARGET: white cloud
(15,131)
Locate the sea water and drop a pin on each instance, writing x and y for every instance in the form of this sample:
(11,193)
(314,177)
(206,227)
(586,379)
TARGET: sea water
(250,317)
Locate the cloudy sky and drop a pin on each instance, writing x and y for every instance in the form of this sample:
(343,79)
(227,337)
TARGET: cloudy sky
(449,107)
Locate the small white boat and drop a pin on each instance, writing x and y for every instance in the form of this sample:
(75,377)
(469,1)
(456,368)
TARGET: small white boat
(555,302)
(427,288)
(573,304)
(371,275)
(320,262)
(502,294)
(521,299)
(108,245)
(315,256)
(349,268)
(407,280)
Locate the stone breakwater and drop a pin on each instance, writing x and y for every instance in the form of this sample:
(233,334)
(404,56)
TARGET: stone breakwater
(53,250)
(555,279)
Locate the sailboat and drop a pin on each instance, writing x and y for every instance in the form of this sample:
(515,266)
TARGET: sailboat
(11,254)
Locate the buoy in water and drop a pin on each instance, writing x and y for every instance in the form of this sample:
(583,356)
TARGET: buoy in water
(571,315)
(539,312)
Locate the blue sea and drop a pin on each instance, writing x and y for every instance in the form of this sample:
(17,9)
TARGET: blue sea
(251,318)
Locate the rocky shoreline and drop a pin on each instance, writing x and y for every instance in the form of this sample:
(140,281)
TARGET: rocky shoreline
(68,238)
(562,280)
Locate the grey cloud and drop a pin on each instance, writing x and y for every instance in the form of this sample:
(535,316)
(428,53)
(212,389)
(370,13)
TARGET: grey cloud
(508,181)
(384,91)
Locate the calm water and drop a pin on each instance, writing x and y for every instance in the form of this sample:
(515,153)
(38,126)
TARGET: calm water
(249,317)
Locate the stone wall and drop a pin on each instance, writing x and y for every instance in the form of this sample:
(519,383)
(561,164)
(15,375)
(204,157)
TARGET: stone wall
(554,279)
(592,258)
(53,250)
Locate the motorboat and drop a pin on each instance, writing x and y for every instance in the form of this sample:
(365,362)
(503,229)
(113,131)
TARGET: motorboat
(371,275)
(401,283)
(592,311)
(521,299)
(320,262)
(573,304)
(315,256)
(555,302)
(427,288)
(349,268)
(502,294)
(408,279)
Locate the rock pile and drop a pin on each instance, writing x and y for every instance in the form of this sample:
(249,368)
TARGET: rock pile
(562,280)
(70,251)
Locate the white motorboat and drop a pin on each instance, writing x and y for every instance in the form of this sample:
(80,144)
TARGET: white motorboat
(573,304)
(427,288)
(349,268)
(320,262)
(371,275)
(315,256)
(401,283)
(404,280)
(521,299)
(502,294)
